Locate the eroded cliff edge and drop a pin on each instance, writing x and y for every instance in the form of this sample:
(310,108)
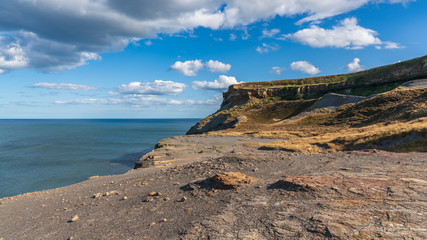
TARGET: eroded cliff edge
(360,101)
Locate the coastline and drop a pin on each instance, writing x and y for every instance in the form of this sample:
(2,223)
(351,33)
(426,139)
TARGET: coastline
(44,154)
(118,206)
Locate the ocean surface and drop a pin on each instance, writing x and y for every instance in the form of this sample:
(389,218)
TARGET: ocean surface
(43,154)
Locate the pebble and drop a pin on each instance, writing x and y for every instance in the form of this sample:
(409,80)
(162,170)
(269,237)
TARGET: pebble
(152,224)
(155,194)
(75,218)
(183,199)
(125,198)
(164,220)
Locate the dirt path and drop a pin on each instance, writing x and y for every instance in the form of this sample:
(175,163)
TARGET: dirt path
(363,195)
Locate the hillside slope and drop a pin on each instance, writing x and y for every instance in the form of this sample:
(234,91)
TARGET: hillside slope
(307,112)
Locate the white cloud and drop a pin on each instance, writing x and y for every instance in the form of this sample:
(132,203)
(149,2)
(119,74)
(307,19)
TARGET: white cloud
(188,68)
(139,101)
(277,70)
(305,67)
(222,83)
(270,33)
(217,66)
(64,86)
(158,87)
(57,35)
(233,37)
(12,57)
(267,48)
(390,45)
(347,34)
(354,66)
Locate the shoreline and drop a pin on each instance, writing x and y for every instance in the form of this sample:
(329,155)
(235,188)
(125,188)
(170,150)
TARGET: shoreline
(184,207)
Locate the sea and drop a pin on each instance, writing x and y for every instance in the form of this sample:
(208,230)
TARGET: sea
(43,154)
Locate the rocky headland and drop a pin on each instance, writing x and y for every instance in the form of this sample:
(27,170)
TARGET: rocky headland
(336,157)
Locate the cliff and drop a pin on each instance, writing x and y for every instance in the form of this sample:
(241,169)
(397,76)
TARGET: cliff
(284,99)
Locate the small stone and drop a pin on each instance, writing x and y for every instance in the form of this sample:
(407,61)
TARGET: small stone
(125,198)
(167,198)
(155,194)
(152,224)
(149,199)
(75,218)
(183,199)
(176,183)
(164,220)
(70,238)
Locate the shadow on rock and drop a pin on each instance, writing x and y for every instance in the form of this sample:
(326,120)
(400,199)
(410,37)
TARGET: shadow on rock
(223,181)
(130,159)
(291,184)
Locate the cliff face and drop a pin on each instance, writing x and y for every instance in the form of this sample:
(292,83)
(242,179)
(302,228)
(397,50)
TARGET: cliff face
(313,87)
(244,97)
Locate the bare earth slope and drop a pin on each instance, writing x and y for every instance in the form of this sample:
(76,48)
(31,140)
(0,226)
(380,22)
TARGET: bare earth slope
(347,195)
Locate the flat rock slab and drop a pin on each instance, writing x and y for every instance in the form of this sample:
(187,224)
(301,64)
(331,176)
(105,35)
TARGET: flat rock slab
(347,195)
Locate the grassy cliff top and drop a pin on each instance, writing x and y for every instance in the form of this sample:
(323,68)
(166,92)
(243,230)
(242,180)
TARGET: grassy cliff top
(361,77)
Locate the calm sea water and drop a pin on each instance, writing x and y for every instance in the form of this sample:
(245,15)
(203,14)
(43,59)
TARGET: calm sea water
(43,154)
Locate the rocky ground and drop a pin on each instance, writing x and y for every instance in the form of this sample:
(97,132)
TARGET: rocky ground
(212,187)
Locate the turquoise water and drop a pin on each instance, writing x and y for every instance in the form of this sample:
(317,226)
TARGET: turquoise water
(43,154)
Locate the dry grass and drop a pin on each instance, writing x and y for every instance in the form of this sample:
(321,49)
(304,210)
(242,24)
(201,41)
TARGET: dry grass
(395,121)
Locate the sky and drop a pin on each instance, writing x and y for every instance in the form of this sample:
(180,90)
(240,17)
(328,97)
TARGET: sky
(175,58)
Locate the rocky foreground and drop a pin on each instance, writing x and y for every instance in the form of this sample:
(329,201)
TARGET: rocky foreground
(213,187)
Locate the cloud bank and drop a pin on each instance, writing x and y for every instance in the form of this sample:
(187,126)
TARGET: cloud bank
(57,35)
(64,86)
(158,87)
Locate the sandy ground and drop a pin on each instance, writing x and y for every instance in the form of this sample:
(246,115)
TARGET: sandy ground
(349,195)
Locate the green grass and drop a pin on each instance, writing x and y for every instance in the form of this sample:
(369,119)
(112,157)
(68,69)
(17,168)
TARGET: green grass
(351,79)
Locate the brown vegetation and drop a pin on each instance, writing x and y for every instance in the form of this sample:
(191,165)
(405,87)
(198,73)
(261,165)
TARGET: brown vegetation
(394,121)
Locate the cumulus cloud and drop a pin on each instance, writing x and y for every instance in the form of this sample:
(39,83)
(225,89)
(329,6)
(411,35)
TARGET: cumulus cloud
(12,57)
(265,48)
(191,67)
(158,87)
(347,34)
(277,70)
(217,66)
(270,33)
(305,67)
(59,35)
(27,50)
(354,66)
(220,84)
(188,68)
(64,86)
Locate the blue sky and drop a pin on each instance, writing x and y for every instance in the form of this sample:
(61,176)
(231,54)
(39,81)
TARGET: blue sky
(174,58)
